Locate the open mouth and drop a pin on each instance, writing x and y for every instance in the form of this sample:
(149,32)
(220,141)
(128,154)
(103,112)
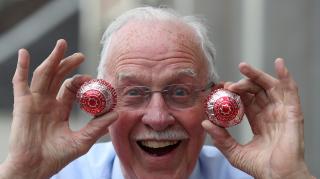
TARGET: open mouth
(158,148)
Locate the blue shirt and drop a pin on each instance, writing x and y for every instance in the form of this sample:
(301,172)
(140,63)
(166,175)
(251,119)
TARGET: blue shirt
(101,162)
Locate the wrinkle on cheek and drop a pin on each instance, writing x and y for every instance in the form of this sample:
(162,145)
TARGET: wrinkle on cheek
(127,119)
(192,116)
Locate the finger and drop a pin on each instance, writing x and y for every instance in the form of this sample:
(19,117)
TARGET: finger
(44,73)
(217,86)
(221,139)
(20,78)
(281,69)
(247,99)
(251,110)
(262,99)
(66,66)
(247,86)
(68,91)
(287,82)
(249,104)
(96,128)
(257,76)
(227,84)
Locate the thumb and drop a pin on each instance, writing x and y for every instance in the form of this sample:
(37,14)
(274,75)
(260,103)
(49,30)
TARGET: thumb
(223,141)
(96,128)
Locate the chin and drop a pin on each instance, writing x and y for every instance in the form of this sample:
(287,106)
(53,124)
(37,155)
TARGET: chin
(172,160)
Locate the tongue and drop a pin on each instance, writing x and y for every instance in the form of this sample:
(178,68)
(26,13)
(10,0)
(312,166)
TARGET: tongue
(158,151)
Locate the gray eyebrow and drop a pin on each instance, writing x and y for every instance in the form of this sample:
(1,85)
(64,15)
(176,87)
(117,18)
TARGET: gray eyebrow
(126,75)
(122,75)
(188,71)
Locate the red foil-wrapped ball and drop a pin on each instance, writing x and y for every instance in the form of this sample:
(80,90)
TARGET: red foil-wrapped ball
(97,97)
(224,108)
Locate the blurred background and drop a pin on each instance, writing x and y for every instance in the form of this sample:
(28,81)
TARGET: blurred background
(255,31)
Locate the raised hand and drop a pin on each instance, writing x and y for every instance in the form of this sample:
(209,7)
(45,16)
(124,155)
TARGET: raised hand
(41,142)
(273,109)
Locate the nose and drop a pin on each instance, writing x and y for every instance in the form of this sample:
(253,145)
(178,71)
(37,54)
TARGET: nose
(157,115)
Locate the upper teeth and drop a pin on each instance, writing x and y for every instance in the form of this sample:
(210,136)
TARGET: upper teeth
(158,144)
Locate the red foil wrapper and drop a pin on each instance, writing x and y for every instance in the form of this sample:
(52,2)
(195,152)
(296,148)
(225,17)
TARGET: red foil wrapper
(97,97)
(224,108)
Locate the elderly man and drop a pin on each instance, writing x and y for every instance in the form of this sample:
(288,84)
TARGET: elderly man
(160,64)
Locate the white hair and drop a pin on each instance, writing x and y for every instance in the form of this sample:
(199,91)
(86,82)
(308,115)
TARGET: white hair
(161,14)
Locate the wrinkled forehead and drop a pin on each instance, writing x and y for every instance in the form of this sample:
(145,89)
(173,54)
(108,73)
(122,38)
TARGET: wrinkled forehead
(154,36)
(156,44)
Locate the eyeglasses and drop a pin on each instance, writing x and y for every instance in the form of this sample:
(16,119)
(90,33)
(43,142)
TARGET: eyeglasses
(175,95)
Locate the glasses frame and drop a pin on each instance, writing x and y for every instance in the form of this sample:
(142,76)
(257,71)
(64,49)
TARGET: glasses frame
(164,92)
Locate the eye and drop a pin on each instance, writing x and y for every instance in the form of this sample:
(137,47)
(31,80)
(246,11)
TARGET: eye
(135,91)
(180,91)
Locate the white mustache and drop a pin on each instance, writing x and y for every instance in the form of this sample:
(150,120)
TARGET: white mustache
(168,134)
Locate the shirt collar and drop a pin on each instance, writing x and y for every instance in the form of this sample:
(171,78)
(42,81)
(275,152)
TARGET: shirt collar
(117,173)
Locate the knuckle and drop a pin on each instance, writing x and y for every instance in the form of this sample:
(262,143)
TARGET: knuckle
(37,71)
(42,71)
(15,79)
(68,84)
(88,136)
(68,80)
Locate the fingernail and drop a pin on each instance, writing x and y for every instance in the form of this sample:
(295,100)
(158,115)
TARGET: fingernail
(19,52)
(227,84)
(78,54)
(206,124)
(60,43)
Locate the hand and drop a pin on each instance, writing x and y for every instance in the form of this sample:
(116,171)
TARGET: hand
(273,109)
(41,142)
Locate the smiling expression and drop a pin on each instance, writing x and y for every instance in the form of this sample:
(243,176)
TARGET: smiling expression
(157,141)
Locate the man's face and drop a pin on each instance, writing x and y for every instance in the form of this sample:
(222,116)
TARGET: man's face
(155,137)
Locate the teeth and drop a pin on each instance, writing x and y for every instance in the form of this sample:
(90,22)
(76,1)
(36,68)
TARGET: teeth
(158,144)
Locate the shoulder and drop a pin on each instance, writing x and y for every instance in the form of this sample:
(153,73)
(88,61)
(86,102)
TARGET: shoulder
(96,163)
(213,164)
